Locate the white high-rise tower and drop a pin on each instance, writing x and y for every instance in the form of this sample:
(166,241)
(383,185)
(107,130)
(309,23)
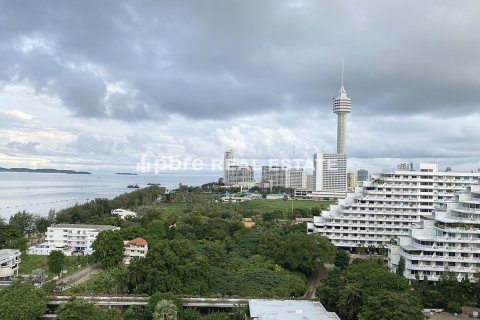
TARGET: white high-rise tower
(228,161)
(341,106)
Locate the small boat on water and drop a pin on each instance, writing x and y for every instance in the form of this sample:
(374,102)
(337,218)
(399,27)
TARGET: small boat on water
(134,186)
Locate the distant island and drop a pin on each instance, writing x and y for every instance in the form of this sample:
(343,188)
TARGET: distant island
(42,170)
(127,174)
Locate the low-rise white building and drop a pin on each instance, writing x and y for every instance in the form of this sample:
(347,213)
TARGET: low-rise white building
(71,239)
(278,196)
(136,248)
(389,206)
(123,213)
(9,263)
(450,242)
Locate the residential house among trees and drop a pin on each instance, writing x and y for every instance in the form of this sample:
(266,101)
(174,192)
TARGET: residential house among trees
(136,248)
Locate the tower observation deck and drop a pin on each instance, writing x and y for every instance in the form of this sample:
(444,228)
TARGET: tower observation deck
(342,105)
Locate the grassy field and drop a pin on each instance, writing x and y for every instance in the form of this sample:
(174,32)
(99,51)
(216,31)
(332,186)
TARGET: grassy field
(32,262)
(264,205)
(173,208)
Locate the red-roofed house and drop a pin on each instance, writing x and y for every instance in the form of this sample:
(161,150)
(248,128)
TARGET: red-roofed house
(136,248)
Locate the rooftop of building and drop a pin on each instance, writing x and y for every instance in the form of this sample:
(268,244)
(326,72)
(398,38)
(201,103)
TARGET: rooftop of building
(122,210)
(84,226)
(138,242)
(289,310)
(5,253)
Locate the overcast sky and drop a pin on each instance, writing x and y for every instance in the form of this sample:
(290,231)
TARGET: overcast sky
(97,84)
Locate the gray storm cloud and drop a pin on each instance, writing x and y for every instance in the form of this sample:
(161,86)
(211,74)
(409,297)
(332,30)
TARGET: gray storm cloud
(217,59)
(222,62)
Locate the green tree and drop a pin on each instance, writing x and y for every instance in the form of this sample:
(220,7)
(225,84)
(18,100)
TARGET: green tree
(9,235)
(108,248)
(392,306)
(76,309)
(162,296)
(21,301)
(56,262)
(134,313)
(41,224)
(342,259)
(20,243)
(350,301)
(23,221)
(156,228)
(217,316)
(305,253)
(165,310)
(362,282)
(401,266)
(191,314)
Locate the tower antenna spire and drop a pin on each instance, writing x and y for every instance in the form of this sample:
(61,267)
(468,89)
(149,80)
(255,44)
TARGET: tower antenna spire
(342,72)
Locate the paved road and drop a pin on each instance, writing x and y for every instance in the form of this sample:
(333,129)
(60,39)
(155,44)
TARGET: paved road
(315,280)
(81,276)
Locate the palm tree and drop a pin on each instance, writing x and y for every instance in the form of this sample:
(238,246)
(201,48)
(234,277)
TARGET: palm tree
(135,274)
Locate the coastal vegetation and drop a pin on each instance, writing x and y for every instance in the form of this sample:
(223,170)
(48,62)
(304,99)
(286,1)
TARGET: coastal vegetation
(21,301)
(42,170)
(200,246)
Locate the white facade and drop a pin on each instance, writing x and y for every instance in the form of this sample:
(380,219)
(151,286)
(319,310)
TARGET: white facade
(236,175)
(342,105)
(123,213)
(297,178)
(275,175)
(389,206)
(241,175)
(277,196)
(9,263)
(330,172)
(71,239)
(450,242)
(136,248)
(228,160)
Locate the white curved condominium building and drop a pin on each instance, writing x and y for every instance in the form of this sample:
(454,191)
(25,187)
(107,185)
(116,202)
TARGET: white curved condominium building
(389,206)
(450,242)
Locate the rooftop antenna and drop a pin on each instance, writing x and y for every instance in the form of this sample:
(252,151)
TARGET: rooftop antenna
(342,72)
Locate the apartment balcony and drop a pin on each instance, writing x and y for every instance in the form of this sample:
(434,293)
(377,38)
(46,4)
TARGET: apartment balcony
(6,272)
(460,230)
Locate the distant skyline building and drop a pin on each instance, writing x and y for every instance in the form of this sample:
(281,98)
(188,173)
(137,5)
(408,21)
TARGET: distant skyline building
(407,166)
(362,175)
(236,175)
(351,181)
(297,178)
(228,160)
(342,105)
(330,173)
(275,175)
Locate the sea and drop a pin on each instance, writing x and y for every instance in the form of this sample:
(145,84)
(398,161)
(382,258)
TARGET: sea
(39,192)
